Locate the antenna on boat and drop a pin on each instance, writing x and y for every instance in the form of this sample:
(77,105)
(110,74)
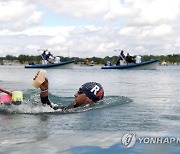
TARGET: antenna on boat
(118,49)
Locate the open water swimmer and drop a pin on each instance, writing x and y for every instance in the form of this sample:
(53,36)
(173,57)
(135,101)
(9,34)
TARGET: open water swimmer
(88,93)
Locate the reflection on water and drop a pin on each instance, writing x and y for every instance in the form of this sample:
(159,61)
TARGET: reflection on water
(43,123)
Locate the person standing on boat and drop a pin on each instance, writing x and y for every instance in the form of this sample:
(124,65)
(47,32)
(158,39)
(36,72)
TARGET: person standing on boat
(50,57)
(44,57)
(121,59)
(88,93)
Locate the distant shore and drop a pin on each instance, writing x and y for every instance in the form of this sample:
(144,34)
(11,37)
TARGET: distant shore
(173,59)
(79,64)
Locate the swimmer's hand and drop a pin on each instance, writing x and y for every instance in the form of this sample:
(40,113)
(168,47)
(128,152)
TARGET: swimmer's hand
(44,85)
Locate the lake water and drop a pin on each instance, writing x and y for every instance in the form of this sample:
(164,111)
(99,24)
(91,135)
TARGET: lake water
(144,102)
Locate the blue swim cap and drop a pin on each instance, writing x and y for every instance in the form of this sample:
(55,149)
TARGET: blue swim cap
(92,90)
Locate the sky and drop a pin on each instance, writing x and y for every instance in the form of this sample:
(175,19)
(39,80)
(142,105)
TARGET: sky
(87,28)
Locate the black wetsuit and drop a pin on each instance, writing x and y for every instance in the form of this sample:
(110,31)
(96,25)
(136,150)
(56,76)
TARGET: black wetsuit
(45,100)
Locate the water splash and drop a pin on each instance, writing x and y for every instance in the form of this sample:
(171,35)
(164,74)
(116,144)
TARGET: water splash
(33,105)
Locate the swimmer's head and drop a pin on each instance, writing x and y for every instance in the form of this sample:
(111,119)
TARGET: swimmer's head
(93,90)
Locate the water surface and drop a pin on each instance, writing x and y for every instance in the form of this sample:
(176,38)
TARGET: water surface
(145,102)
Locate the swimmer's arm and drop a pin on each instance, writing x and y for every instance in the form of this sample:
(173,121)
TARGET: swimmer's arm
(45,99)
(44,94)
(44,88)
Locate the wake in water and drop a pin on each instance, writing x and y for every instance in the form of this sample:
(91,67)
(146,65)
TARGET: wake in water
(33,105)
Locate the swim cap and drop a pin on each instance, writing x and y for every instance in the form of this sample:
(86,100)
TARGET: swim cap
(92,90)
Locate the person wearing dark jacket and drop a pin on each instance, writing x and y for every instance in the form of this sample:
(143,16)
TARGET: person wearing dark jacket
(130,59)
(121,60)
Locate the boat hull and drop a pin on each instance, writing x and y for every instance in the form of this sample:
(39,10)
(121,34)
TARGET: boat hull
(150,65)
(61,65)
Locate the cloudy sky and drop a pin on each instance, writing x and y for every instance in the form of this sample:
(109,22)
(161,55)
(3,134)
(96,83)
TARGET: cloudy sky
(86,28)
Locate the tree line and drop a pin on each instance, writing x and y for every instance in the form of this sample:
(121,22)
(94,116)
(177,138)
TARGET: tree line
(173,58)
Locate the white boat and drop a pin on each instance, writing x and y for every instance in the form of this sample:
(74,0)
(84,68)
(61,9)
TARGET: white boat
(61,65)
(151,64)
